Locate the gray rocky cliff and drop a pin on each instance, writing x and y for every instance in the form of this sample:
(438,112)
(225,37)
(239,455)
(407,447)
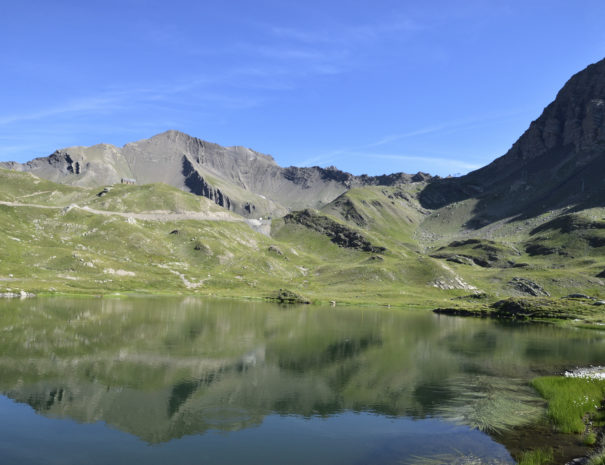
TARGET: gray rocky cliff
(558,162)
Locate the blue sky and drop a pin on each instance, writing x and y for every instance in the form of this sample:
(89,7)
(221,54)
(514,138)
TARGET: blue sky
(368,86)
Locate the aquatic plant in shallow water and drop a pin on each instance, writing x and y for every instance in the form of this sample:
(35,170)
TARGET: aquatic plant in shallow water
(454,459)
(536,457)
(492,404)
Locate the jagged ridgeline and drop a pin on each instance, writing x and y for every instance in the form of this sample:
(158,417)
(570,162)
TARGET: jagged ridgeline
(236,178)
(174,212)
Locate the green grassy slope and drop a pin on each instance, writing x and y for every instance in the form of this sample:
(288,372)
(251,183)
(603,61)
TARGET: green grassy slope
(155,238)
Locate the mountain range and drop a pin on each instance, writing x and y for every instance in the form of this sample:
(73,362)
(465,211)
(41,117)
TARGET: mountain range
(236,178)
(532,222)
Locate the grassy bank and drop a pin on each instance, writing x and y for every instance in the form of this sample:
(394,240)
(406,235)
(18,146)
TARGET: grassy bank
(575,407)
(573,403)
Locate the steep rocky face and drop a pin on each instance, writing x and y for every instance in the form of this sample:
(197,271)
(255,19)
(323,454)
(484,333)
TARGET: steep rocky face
(237,178)
(198,185)
(558,161)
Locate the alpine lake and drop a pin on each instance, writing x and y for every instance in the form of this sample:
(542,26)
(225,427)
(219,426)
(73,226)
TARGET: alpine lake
(200,381)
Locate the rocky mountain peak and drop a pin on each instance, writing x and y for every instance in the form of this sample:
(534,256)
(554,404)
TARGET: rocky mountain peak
(575,119)
(558,161)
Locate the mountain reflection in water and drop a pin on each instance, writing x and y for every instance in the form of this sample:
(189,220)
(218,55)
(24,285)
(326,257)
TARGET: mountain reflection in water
(166,368)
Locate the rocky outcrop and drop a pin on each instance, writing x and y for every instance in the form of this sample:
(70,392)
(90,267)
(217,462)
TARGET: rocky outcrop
(348,211)
(338,233)
(284,296)
(197,185)
(527,287)
(568,224)
(16,295)
(481,252)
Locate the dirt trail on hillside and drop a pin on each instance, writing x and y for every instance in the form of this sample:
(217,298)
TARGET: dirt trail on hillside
(156,215)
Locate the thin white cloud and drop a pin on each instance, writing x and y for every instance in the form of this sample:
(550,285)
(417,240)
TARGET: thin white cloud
(347,35)
(115,100)
(466,123)
(444,161)
(76,106)
(323,159)
(407,135)
(429,163)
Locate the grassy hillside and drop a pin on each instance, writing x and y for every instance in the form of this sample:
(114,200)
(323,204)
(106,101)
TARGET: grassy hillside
(370,245)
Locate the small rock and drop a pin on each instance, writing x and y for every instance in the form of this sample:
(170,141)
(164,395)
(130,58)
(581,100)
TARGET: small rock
(578,461)
(576,296)
(104,191)
(275,249)
(599,302)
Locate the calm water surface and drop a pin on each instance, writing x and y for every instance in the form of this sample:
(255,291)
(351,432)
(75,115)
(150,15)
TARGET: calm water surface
(183,381)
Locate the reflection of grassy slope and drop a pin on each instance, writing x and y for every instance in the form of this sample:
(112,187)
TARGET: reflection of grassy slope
(160,367)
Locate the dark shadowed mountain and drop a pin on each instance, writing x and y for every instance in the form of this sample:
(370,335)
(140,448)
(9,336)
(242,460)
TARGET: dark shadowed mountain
(559,161)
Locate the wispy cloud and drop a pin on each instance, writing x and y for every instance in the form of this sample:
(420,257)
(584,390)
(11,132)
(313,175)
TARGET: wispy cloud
(328,49)
(76,106)
(465,123)
(350,34)
(197,91)
(444,161)
(371,151)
